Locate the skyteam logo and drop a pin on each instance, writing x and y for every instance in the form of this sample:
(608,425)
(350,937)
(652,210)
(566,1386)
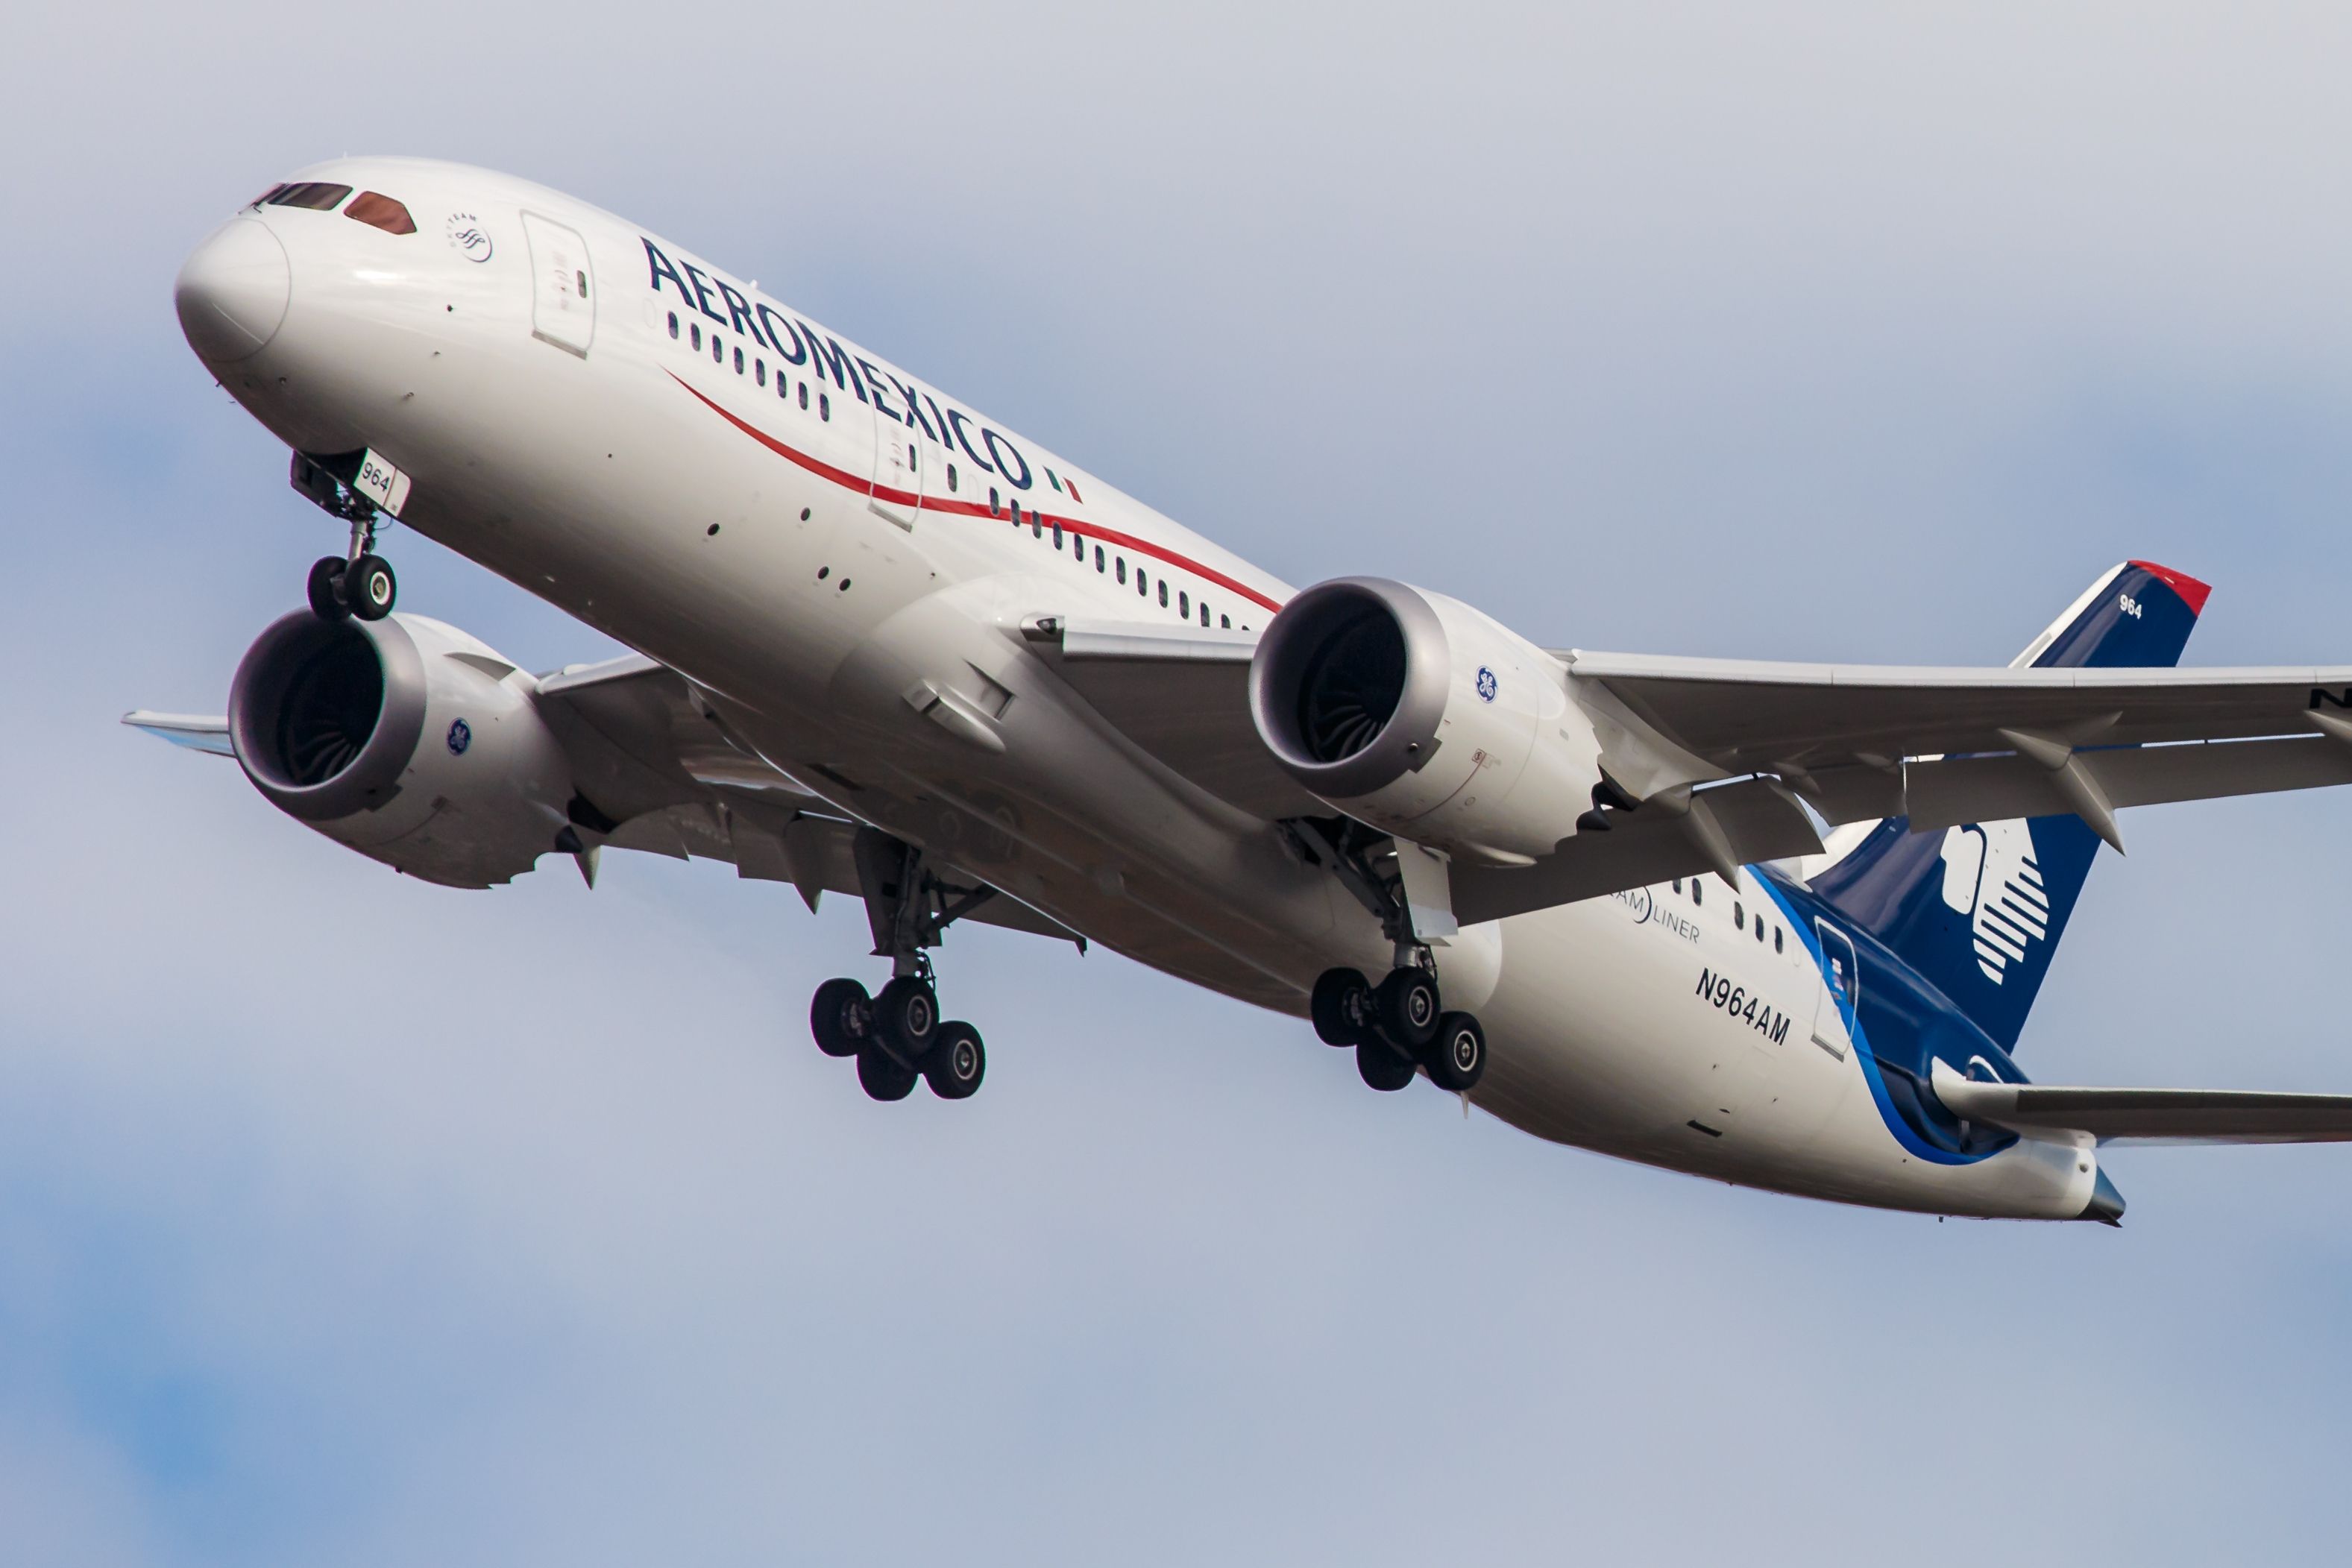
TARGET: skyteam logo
(1486,685)
(1991,877)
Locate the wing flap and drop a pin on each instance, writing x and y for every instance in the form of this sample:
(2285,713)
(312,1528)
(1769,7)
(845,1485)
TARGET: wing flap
(1756,819)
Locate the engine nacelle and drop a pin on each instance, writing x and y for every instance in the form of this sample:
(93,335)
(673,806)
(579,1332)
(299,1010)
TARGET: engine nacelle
(404,739)
(1420,715)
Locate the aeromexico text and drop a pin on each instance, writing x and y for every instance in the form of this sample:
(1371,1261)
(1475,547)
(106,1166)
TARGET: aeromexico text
(796,343)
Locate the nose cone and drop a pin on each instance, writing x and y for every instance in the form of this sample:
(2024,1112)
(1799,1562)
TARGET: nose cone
(233,291)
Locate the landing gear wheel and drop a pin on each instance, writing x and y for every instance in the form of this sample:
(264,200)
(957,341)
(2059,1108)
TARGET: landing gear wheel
(1341,1001)
(956,1061)
(369,587)
(881,1076)
(326,589)
(906,1018)
(1405,1008)
(841,1017)
(1380,1066)
(1457,1057)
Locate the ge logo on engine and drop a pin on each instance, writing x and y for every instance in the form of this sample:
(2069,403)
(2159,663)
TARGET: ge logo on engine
(461,736)
(1486,685)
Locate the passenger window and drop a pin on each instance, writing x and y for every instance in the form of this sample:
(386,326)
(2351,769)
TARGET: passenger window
(1184,603)
(695,333)
(1099,558)
(672,323)
(1738,918)
(1678,884)
(314,194)
(995,506)
(717,351)
(1759,928)
(1697,892)
(1037,525)
(1204,613)
(1225,622)
(760,373)
(952,477)
(389,216)
(1776,939)
(1058,537)
(1122,570)
(804,394)
(739,361)
(824,406)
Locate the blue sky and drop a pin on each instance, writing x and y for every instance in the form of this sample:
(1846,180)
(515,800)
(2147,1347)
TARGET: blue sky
(343,1219)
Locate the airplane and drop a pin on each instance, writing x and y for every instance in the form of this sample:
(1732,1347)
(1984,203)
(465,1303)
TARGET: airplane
(1775,925)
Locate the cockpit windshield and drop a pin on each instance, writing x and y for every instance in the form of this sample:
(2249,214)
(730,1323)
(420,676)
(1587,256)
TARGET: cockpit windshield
(385,213)
(316,194)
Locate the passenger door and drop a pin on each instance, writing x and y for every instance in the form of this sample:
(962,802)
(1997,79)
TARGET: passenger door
(1833,1013)
(562,306)
(897,485)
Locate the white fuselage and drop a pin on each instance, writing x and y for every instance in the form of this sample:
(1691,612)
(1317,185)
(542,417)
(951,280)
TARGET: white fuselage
(672,496)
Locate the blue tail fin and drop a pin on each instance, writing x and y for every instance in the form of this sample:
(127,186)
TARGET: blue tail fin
(1978,909)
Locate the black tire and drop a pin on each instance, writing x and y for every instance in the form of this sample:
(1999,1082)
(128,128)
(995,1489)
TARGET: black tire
(1405,1008)
(1338,1004)
(906,1018)
(326,589)
(958,1061)
(841,1017)
(882,1077)
(1381,1066)
(1457,1057)
(370,588)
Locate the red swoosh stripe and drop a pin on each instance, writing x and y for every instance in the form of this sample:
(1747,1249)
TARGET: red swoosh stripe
(850,481)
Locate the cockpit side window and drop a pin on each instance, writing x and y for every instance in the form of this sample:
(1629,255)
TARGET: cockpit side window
(315,195)
(383,212)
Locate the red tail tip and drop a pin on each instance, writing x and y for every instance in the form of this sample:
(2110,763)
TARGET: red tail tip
(2193,592)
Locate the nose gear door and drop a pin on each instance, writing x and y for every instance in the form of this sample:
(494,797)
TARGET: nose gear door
(562,309)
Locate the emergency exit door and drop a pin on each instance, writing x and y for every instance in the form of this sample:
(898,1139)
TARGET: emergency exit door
(563,302)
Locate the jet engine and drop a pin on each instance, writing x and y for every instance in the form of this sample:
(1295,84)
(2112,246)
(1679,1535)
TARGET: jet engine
(404,739)
(1414,713)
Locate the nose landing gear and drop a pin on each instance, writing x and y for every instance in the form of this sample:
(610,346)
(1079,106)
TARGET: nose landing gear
(359,582)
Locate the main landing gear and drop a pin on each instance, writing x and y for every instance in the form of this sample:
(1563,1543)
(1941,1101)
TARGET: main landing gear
(358,582)
(1398,1028)
(897,1036)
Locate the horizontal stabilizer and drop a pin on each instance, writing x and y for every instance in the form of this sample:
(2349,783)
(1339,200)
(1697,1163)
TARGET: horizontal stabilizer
(194,731)
(2150,1115)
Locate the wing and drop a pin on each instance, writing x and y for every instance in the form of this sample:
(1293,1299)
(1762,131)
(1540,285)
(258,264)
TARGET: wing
(1183,696)
(1738,761)
(2150,1115)
(1945,746)
(197,732)
(658,767)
